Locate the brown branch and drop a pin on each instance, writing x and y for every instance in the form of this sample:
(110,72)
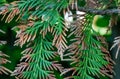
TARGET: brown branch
(98,11)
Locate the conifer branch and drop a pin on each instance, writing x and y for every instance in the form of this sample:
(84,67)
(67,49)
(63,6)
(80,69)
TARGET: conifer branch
(46,36)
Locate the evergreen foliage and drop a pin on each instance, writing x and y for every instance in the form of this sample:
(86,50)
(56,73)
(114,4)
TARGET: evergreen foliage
(50,39)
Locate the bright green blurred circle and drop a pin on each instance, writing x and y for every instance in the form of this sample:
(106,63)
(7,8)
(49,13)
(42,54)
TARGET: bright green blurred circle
(102,20)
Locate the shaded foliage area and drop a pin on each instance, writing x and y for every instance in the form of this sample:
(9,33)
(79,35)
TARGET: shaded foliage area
(9,49)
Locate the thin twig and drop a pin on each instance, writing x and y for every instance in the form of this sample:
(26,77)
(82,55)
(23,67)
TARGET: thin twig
(99,11)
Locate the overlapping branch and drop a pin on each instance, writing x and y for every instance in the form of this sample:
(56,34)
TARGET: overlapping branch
(99,11)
